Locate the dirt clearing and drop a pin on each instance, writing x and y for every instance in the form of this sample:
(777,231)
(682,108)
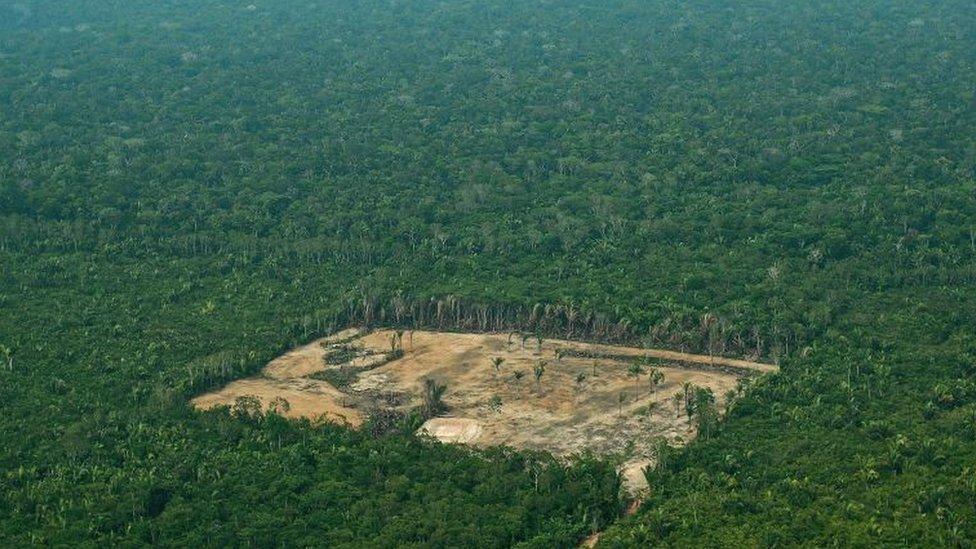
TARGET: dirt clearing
(564,397)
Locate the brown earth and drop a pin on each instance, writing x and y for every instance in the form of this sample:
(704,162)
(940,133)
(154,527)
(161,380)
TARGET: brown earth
(609,413)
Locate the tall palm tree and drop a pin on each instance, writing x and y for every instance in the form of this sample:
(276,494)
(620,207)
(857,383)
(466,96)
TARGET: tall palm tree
(708,325)
(433,394)
(580,378)
(676,399)
(635,371)
(656,378)
(540,368)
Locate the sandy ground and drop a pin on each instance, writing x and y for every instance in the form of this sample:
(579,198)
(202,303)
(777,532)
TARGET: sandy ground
(285,377)
(309,398)
(452,430)
(609,413)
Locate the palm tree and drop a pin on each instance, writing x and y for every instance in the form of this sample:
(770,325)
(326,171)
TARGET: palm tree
(595,364)
(656,378)
(496,362)
(635,371)
(703,408)
(708,324)
(676,398)
(621,398)
(517,375)
(433,394)
(540,368)
(560,353)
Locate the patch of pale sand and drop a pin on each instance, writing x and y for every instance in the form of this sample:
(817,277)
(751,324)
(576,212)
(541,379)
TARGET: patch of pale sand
(308,398)
(454,430)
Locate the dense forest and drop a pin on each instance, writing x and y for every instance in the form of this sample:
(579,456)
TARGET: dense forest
(189,188)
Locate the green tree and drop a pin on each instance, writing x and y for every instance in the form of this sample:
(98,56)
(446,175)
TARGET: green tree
(496,363)
(433,403)
(540,368)
(655,377)
(635,370)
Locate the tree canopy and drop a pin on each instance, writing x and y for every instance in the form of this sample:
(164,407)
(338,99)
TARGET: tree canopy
(188,189)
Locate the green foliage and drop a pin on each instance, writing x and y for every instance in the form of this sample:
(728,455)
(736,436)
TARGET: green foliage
(189,189)
(433,394)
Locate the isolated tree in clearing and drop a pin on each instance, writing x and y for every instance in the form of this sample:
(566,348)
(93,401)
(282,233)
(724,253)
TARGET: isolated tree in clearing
(517,375)
(635,371)
(433,394)
(540,368)
(655,377)
(496,363)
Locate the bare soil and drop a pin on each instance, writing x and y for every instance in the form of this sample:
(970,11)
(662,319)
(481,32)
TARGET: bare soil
(609,412)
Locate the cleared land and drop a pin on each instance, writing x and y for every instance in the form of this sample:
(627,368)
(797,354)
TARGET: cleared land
(587,399)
